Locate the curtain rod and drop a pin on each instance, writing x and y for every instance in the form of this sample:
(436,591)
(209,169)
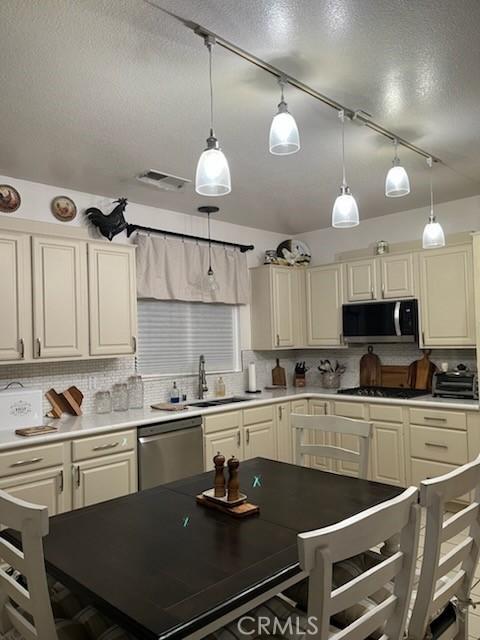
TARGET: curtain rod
(131,228)
(352,114)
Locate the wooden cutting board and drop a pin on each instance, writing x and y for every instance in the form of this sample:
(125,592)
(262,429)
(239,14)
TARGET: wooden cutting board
(421,372)
(279,378)
(370,371)
(395,376)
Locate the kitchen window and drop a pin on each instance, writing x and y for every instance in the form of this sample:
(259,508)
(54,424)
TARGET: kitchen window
(172,335)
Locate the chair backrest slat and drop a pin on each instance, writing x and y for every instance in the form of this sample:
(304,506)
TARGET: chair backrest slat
(319,550)
(432,595)
(31,521)
(335,425)
(366,583)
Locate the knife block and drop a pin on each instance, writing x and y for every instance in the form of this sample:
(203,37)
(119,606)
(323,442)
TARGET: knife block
(299,379)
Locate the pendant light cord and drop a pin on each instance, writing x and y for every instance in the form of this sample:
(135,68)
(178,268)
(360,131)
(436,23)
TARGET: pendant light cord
(342,118)
(209,247)
(432,217)
(209,47)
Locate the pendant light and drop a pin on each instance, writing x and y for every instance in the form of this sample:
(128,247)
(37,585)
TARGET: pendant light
(397,183)
(284,138)
(211,283)
(433,236)
(213,173)
(345,210)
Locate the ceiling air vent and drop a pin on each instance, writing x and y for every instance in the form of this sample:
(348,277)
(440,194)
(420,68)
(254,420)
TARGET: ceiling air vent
(162,180)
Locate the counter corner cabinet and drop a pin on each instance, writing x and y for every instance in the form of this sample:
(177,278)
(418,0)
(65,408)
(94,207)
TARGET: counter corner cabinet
(59,305)
(447,302)
(277,304)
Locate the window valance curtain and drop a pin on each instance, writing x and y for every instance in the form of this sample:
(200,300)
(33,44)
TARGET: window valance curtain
(172,269)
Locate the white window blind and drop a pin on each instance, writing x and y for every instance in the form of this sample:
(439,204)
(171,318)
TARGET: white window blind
(172,335)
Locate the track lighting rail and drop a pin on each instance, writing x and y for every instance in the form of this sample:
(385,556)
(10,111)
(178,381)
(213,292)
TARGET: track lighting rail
(352,114)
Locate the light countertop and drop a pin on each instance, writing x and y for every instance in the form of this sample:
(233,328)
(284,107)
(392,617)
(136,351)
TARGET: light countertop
(69,426)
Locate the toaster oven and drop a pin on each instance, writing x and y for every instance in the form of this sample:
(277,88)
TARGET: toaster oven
(455,384)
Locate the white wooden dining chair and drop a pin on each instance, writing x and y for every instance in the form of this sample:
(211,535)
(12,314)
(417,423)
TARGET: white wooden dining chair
(446,577)
(332,424)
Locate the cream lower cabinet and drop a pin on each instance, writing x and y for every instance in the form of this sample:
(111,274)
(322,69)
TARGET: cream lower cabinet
(104,478)
(259,432)
(227,442)
(45,487)
(387,453)
(447,297)
(319,408)
(358,411)
(324,294)
(112,299)
(60,320)
(296,406)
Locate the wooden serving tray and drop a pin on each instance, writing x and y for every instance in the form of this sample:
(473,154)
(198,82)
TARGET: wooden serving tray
(241,511)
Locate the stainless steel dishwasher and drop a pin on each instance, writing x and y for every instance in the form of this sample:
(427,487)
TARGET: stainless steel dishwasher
(169,451)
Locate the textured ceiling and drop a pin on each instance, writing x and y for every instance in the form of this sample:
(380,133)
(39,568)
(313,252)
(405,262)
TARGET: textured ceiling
(95,91)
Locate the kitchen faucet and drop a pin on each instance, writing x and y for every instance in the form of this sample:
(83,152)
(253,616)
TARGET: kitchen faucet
(202,378)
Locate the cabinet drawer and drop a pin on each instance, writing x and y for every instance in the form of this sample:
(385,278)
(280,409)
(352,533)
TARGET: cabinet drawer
(255,415)
(434,418)
(384,413)
(221,421)
(443,445)
(349,409)
(97,446)
(30,459)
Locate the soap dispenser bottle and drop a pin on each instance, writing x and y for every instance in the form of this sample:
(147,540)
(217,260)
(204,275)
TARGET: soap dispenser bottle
(220,387)
(174,394)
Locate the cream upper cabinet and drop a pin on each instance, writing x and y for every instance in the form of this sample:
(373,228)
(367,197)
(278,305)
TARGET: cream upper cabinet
(447,313)
(112,299)
(104,478)
(277,309)
(15,293)
(324,294)
(60,319)
(397,276)
(361,280)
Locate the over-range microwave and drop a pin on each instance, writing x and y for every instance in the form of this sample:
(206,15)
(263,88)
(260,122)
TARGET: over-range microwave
(392,321)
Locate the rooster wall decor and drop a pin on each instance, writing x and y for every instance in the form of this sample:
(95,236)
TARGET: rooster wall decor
(110,224)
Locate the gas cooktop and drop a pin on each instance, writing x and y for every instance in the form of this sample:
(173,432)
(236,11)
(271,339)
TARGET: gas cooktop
(384,392)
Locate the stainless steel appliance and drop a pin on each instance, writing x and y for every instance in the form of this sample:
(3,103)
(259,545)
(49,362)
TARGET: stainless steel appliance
(384,392)
(392,321)
(169,451)
(455,384)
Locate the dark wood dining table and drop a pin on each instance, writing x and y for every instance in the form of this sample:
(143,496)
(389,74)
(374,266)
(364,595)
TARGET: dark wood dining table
(162,566)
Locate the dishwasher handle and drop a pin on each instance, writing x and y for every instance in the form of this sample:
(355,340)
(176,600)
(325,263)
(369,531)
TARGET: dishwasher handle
(161,436)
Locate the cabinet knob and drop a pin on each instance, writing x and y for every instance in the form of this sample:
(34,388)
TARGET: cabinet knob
(39,347)
(248,435)
(238,438)
(22,348)
(61,483)
(280,412)
(278,340)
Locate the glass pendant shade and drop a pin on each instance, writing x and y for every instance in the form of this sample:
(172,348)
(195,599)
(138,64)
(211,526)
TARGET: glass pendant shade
(211,281)
(433,236)
(284,137)
(345,210)
(213,173)
(397,183)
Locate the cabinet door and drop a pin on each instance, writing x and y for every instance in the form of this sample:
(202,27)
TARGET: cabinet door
(15,293)
(397,276)
(59,298)
(112,299)
(284,431)
(296,406)
(104,479)
(45,487)
(228,442)
(260,440)
(361,280)
(319,408)
(324,305)
(447,297)
(283,314)
(387,455)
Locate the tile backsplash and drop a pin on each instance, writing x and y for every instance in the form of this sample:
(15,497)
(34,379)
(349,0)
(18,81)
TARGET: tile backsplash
(92,375)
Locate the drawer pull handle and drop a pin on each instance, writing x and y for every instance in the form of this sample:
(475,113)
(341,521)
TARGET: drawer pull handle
(433,418)
(102,447)
(61,484)
(437,445)
(21,463)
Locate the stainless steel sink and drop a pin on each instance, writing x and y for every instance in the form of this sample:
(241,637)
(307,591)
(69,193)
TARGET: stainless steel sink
(218,402)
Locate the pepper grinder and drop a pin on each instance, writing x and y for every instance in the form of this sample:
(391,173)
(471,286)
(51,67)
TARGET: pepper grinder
(219,483)
(233,480)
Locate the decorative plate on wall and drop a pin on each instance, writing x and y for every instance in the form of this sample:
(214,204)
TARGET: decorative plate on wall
(9,198)
(63,208)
